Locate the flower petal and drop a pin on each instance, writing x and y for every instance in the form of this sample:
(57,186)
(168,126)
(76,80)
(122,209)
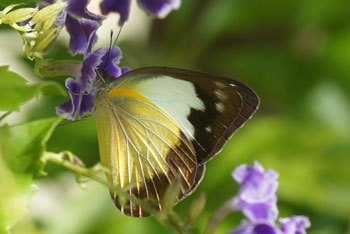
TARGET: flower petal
(79,103)
(241,172)
(295,224)
(87,104)
(88,74)
(79,10)
(160,8)
(257,196)
(265,229)
(82,34)
(71,107)
(119,6)
(248,227)
(264,211)
(257,185)
(111,59)
(125,70)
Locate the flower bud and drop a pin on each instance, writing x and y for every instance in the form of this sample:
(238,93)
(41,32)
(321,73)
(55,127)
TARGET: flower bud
(48,12)
(45,39)
(48,23)
(196,208)
(7,9)
(18,15)
(171,194)
(70,68)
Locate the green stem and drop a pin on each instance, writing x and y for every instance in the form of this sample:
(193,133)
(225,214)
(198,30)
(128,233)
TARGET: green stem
(175,220)
(60,159)
(219,216)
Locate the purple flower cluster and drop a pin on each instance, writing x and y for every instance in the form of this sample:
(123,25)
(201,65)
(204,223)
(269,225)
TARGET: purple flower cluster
(82,26)
(81,89)
(257,200)
(157,8)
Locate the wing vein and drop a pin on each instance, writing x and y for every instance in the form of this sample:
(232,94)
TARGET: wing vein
(161,138)
(128,140)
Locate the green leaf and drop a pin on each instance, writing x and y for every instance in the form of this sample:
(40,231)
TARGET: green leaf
(12,200)
(4,3)
(14,89)
(21,147)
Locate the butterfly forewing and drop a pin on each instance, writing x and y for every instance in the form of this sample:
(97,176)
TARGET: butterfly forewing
(208,108)
(142,146)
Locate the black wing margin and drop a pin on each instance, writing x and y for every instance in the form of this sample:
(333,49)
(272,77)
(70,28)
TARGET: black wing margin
(228,105)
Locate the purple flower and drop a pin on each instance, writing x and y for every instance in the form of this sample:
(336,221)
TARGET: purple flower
(257,185)
(257,196)
(125,70)
(248,227)
(78,103)
(82,34)
(295,224)
(259,211)
(80,23)
(158,8)
(88,74)
(120,6)
(81,89)
(110,61)
(258,201)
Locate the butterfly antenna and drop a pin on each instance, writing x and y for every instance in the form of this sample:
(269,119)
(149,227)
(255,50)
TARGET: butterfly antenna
(112,45)
(109,49)
(116,39)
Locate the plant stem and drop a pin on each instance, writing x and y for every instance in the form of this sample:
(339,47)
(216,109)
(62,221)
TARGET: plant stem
(90,173)
(219,215)
(170,218)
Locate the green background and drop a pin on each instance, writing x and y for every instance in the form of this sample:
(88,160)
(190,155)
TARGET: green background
(294,54)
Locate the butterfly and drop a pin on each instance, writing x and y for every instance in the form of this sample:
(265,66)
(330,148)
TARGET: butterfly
(156,124)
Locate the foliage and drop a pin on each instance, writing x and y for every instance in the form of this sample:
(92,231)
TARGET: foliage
(14,90)
(8,2)
(21,147)
(294,54)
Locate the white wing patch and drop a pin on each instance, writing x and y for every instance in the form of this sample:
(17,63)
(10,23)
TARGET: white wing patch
(175,96)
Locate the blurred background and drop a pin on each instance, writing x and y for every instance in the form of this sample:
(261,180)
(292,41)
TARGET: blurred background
(294,54)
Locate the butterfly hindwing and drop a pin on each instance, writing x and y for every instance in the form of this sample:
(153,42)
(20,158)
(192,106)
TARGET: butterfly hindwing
(142,146)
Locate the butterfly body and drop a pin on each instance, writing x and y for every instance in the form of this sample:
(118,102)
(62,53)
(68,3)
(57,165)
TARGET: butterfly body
(156,124)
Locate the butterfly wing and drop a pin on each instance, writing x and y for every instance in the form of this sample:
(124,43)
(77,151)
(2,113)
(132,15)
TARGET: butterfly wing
(142,146)
(209,108)
(191,114)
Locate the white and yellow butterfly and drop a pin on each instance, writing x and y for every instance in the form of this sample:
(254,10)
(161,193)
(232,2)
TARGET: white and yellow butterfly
(156,124)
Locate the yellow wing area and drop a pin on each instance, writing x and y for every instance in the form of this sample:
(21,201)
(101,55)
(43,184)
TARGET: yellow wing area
(142,146)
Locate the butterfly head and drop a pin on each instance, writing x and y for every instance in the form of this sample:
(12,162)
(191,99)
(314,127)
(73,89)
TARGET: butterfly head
(101,84)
